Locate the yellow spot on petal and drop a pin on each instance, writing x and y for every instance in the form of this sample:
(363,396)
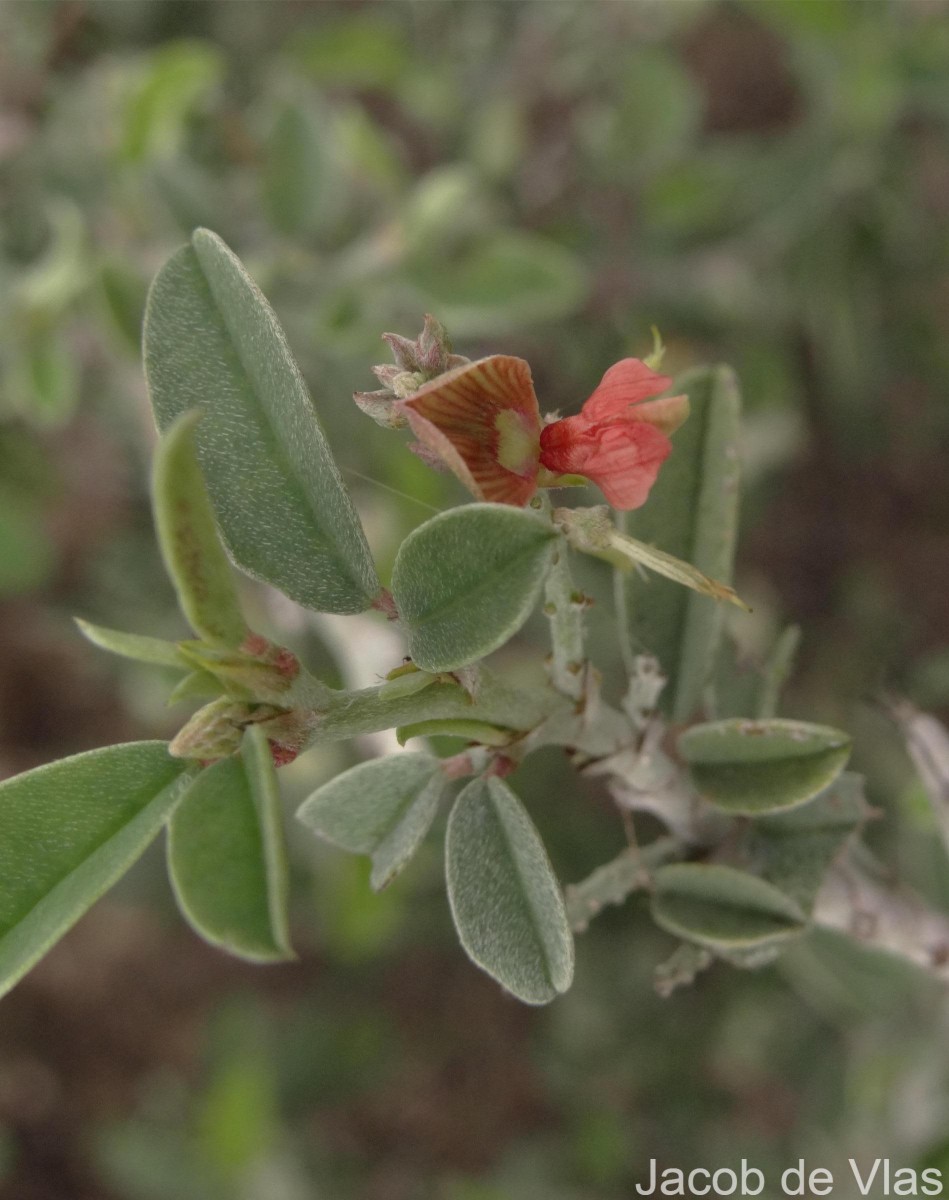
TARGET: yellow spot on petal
(518,442)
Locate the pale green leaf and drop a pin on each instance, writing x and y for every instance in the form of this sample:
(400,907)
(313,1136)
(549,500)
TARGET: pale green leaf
(188,537)
(173,80)
(505,899)
(226,855)
(213,342)
(756,767)
(382,808)
(722,908)
(301,181)
(794,849)
(68,831)
(138,647)
(692,515)
(466,581)
(504,280)
(459,727)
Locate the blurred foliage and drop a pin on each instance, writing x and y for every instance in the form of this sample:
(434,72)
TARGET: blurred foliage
(767,181)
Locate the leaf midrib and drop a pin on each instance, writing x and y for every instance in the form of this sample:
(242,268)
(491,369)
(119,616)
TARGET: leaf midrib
(485,584)
(270,432)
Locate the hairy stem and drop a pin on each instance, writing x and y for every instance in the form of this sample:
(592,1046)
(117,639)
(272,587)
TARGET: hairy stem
(616,880)
(563,606)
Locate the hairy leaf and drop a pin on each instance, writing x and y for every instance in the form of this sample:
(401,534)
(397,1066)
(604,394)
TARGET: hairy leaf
(68,831)
(466,581)
(188,537)
(136,646)
(213,342)
(722,908)
(226,855)
(382,808)
(692,515)
(756,767)
(505,899)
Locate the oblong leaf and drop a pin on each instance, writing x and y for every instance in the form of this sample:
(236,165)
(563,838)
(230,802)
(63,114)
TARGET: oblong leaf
(382,808)
(67,832)
(226,855)
(755,767)
(505,899)
(472,731)
(466,581)
(212,341)
(188,538)
(692,515)
(722,908)
(136,646)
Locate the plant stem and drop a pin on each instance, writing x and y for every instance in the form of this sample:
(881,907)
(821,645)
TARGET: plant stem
(563,606)
(347,714)
(616,880)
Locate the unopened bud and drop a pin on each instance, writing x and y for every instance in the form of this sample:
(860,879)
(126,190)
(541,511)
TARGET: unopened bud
(213,732)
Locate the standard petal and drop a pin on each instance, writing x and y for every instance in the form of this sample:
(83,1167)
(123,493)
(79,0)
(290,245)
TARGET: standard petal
(463,416)
(627,382)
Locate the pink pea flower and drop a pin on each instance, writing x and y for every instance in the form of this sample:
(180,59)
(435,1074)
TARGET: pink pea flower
(482,420)
(620,438)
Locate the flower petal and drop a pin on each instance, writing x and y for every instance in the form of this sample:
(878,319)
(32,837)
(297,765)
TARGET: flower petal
(622,458)
(463,415)
(627,382)
(666,414)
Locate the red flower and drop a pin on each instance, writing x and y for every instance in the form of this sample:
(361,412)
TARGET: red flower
(483,422)
(617,440)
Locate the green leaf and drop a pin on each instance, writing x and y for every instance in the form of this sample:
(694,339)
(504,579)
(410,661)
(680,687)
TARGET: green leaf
(139,647)
(382,808)
(505,280)
(300,179)
(68,831)
(775,671)
(505,899)
(212,341)
(756,767)
(794,849)
(466,581)
(188,537)
(471,731)
(176,78)
(197,683)
(722,908)
(43,382)
(226,855)
(692,515)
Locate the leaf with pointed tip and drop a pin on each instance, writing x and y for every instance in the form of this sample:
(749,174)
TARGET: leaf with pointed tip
(188,537)
(136,646)
(213,342)
(68,831)
(226,855)
(197,683)
(757,767)
(382,808)
(466,581)
(505,899)
(692,515)
(723,908)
